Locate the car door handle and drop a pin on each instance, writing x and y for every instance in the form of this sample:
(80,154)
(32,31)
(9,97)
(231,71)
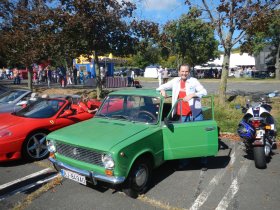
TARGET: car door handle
(210,128)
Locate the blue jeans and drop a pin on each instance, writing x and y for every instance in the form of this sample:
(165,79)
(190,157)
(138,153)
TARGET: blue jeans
(190,118)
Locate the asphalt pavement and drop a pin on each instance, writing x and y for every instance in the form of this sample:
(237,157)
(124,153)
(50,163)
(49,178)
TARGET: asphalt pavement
(231,182)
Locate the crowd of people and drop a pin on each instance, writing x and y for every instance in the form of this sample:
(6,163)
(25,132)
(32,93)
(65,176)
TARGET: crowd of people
(13,74)
(59,75)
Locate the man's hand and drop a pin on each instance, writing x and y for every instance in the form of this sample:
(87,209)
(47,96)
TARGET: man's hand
(189,97)
(163,93)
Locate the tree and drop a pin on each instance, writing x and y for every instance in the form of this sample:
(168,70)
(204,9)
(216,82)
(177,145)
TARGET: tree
(191,39)
(23,37)
(103,27)
(148,56)
(265,31)
(231,18)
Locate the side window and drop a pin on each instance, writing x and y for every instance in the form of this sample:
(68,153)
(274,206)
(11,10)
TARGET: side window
(207,108)
(203,106)
(26,98)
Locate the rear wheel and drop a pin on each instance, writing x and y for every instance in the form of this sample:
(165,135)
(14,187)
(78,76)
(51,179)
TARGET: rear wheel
(259,157)
(35,146)
(139,178)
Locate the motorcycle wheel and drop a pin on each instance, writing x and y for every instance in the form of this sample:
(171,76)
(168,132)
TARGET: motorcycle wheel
(259,157)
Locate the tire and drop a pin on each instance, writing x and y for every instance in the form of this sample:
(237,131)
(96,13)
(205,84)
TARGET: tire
(34,147)
(259,157)
(139,178)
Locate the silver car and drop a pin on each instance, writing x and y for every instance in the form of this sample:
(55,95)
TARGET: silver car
(10,100)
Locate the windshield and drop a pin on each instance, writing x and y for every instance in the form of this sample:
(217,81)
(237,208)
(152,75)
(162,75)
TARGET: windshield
(10,96)
(43,108)
(131,108)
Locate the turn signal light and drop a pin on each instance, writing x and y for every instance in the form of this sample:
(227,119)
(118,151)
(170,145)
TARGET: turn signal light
(268,127)
(109,173)
(51,155)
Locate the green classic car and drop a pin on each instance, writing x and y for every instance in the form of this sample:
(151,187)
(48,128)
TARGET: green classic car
(132,133)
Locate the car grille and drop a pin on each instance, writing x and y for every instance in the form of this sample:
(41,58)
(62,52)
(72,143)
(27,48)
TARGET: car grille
(78,153)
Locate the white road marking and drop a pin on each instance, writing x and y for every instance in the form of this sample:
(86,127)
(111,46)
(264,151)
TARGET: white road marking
(234,187)
(24,178)
(200,200)
(24,188)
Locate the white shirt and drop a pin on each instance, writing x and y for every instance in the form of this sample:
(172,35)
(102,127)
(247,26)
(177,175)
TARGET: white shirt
(192,86)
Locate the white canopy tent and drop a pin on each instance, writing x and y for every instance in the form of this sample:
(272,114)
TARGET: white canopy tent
(236,60)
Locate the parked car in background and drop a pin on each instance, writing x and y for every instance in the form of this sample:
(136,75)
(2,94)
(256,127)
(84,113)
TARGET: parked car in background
(132,133)
(23,133)
(10,99)
(138,72)
(173,72)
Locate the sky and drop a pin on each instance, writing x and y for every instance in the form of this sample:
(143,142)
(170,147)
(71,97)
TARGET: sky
(160,11)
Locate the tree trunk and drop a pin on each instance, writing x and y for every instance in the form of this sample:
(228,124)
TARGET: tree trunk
(223,82)
(277,64)
(98,78)
(29,78)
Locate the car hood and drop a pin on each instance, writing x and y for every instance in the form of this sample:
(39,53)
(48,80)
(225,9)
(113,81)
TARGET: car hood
(97,133)
(8,120)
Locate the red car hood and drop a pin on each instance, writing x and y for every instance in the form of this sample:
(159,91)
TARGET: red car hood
(7,120)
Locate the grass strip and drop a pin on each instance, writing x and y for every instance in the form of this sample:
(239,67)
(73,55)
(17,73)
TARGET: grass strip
(46,187)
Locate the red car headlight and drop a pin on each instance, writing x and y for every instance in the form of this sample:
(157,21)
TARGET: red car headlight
(5,132)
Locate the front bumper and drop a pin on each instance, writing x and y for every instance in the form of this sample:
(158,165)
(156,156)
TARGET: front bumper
(92,176)
(10,150)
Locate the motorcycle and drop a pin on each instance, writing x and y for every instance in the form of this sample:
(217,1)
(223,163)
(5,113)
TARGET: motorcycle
(258,131)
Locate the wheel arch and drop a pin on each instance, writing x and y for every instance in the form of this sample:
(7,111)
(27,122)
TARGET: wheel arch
(144,155)
(36,131)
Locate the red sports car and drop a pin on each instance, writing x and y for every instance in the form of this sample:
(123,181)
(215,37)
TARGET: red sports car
(22,133)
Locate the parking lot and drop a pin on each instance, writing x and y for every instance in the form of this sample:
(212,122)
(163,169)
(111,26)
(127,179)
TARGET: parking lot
(231,182)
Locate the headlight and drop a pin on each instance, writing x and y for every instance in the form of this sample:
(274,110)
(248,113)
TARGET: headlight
(51,146)
(5,132)
(108,161)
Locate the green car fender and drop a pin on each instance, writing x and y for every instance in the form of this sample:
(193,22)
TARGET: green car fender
(127,155)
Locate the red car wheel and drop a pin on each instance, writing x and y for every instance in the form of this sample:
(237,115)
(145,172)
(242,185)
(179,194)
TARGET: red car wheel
(35,146)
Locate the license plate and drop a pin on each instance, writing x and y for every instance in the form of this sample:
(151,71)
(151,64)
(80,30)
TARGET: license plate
(73,176)
(260,133)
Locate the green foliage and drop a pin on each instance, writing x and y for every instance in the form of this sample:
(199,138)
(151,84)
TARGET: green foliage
(171,62)
(151,55)
(190,38)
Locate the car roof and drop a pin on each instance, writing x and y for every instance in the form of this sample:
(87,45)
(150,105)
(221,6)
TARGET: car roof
(140,92)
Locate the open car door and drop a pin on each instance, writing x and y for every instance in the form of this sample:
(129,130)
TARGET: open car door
(190,139)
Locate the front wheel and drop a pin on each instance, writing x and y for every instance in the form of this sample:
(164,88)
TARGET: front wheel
(259,157)
(35,147)
(139,178)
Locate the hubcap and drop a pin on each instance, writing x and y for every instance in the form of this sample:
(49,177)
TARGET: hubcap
(36,147)
(141,176)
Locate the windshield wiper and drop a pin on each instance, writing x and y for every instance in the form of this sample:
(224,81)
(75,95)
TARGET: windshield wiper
(120,117)
(101,115)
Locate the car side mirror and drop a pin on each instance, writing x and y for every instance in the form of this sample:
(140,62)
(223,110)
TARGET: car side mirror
(66,113)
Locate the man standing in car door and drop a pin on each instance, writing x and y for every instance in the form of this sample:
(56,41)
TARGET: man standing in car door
(190,91)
